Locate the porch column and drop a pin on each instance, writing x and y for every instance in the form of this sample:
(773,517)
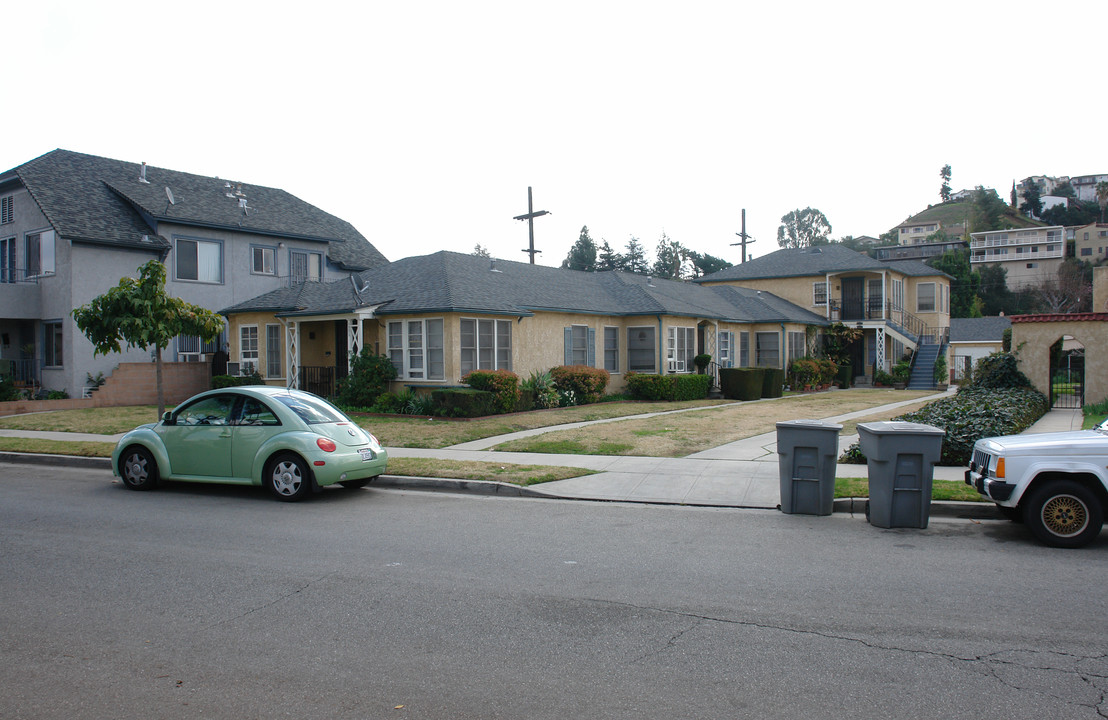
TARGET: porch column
(884,294)
(879,358)
(353,341)
(292,355)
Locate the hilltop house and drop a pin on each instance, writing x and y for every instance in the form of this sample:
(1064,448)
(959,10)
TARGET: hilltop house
(71,225)
(443,315)
(899,305)
(1029,255)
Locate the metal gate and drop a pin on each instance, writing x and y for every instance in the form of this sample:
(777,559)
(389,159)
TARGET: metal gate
(1067,380)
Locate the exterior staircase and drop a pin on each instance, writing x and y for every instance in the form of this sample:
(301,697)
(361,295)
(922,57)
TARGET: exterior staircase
(923,370)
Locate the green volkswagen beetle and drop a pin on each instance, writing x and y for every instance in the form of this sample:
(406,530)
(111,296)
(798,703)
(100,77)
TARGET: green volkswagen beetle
(291,442)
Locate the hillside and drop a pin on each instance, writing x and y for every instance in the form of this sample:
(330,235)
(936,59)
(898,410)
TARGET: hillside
(957,212)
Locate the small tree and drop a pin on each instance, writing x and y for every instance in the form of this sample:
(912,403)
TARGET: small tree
(582,256)
(944,190)
(140,313)
(369,376)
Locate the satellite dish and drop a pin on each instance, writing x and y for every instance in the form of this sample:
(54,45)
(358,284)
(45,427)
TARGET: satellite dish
(169,195)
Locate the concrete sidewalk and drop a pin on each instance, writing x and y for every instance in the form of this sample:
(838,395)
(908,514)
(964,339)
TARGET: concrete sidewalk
(740,474)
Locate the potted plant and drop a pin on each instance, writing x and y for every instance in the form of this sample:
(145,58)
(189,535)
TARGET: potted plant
(701,361)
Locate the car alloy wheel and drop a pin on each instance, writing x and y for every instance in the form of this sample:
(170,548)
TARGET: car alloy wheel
(1064,513)
(138,469)
(288,478)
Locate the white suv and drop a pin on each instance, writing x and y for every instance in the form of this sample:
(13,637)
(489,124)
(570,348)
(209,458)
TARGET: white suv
(1057,483)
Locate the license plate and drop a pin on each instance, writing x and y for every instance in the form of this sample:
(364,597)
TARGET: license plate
(367,454)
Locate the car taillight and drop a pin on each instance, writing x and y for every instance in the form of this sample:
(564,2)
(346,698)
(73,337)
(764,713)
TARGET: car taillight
(325,444)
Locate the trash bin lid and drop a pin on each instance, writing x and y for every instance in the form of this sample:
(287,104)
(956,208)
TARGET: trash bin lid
(809,424)
(899,426)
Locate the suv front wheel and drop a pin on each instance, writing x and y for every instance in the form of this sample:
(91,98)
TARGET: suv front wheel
(1064,513)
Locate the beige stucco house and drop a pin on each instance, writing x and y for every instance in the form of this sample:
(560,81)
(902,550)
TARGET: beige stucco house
(440,316)
(1029,255)
(899,305)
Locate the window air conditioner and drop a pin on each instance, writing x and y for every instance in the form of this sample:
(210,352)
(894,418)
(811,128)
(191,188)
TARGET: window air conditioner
(233,369)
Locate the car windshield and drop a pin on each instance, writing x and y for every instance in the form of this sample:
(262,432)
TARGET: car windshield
(312,410)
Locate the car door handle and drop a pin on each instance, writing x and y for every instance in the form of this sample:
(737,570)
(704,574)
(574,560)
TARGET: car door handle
(225,433)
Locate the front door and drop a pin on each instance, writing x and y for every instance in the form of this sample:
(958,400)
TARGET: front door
(854,298)
(342,366)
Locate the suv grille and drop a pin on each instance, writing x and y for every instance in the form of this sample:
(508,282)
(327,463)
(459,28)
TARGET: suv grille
(981,461)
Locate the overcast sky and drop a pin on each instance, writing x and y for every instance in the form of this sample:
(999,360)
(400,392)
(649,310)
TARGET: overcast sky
(423,124)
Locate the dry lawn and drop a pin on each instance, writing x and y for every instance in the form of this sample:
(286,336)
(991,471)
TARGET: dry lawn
(686,433)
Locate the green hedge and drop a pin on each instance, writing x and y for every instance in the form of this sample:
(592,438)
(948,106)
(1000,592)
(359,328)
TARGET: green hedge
(742,383)
(223,381)
(463,402)
(501,383)
(773,384)
(668,387)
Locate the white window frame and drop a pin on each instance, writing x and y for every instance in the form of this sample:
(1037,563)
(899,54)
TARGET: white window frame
(934,297)
(634,351)
(42,250)
(199,244)
(274,341)
(798,345)
(726,349)
(491,347)
(744,348)
(577,348)
(680,348)
(416,348)
(816,295)
(248,347)
(263,252)
(611,349)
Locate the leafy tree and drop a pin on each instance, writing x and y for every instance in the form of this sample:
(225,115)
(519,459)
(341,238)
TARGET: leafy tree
(1032,204)
(669,258)
(993,290)
(944,191)
(582,256)
(140,313)
(1065,189)
(803,228)
(1075,213)
(964,300)
(987,210)
(634,260)
(891,237)
(1102,197)
(480,251)
(609,259)
(706,264)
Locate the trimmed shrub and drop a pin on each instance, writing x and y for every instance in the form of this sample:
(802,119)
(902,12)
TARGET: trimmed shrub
(463,402)
(501,383)
(691,387)
(587,383)
(650,387)
(999,370)
(526,400)
(222,381)
(8,390)
(369,377)
(668,388)
(773,383)
(742,383)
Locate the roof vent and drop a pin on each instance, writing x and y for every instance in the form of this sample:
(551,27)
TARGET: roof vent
(242,204)
(492,265)
(142,174)
(650,281)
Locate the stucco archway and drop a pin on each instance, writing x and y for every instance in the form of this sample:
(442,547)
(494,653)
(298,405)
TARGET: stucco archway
(1033,336)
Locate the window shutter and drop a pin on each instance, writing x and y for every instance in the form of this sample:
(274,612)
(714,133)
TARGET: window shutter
(592,348)
(567,343)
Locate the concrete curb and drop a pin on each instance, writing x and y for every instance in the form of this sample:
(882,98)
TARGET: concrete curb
(852,506)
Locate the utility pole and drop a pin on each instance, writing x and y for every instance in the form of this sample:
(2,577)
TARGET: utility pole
(744,239)
(530,218)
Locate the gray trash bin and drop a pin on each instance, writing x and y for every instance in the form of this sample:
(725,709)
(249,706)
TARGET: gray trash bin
(901,460)
(807,452)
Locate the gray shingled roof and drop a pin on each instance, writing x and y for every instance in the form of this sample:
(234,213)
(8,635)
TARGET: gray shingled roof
(453,282)
(986,329)
(99,200)
(818,260)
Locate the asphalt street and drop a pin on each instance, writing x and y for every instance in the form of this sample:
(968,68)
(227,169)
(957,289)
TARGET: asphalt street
(209,601)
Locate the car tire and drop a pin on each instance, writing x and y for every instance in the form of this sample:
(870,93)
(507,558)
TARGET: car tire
(355,484)
(138,469)
(288,478)
(1064,514)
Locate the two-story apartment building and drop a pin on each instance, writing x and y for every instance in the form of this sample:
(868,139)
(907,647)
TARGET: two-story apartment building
(72,225)
(1090,242)
(1029,255)
(899,304)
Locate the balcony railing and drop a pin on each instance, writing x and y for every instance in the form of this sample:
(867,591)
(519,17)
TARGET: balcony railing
(890,312)
(9,275)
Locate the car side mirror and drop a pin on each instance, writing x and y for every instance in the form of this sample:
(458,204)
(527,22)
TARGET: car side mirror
(168,419)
